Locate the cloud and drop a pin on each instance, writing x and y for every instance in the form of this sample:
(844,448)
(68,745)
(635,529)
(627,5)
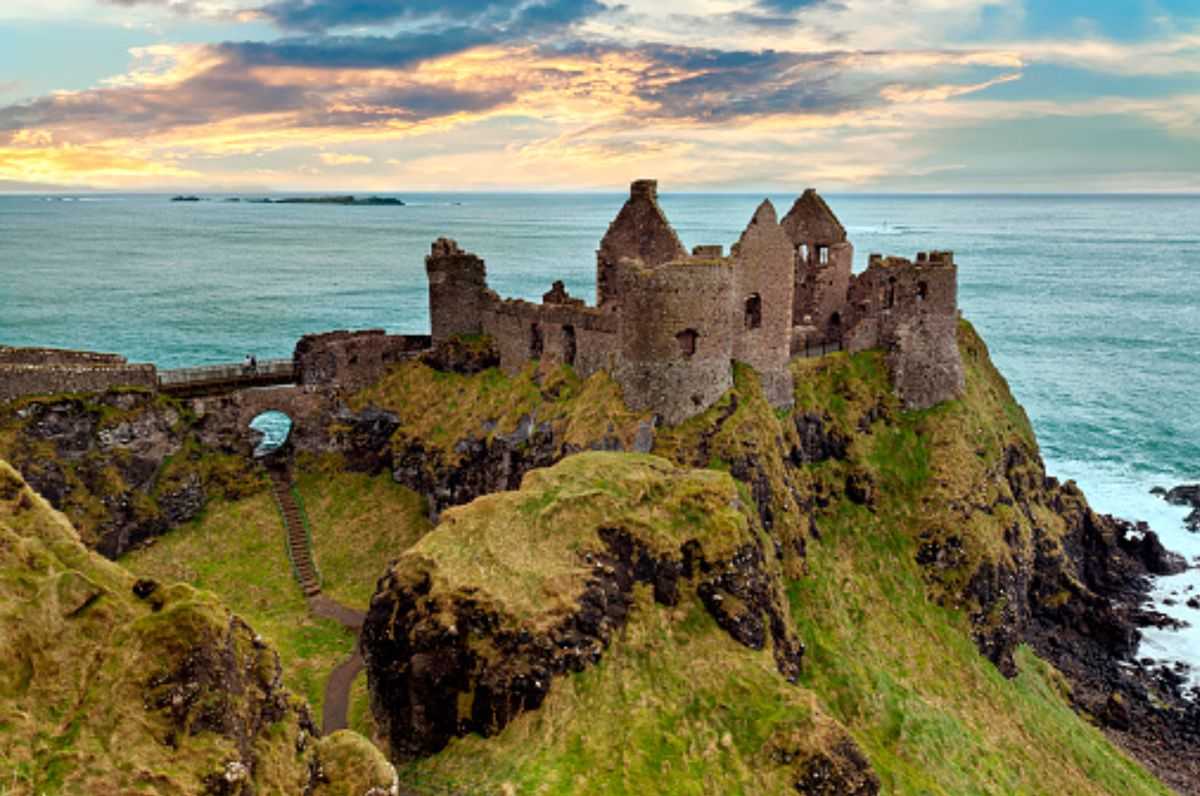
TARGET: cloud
(318,16)
(793,6)
(336,159)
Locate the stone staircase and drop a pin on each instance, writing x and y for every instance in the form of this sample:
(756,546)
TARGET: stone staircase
(299,550)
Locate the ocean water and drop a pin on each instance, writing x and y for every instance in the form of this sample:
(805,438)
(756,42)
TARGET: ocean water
(1090,304)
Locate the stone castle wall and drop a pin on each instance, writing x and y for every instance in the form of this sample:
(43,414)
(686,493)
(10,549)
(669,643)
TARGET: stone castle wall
(910,309)
(351,360)
(46,371)
(583,337)
(677,336)
(20,380)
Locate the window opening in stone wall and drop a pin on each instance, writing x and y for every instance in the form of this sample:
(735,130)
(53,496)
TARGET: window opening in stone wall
(835,319)
(754,311)
(536,344)
(687,342)
(568,344)
(804,252)
(891,293)
(823,254)
(922,291)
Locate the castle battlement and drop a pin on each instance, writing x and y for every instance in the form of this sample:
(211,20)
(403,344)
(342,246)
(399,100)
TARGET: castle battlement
(668,324)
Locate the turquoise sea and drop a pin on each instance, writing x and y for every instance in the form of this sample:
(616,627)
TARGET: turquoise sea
(1090,304)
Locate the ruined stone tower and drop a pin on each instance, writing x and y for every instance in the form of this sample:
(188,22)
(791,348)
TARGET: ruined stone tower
(457,288)
(676,337)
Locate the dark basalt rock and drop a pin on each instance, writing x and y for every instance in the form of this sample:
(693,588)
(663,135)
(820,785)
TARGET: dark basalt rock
(106,474)
(486,464)
(816,443)
(427,653)
(366,439)
(842,771)
(1184,495)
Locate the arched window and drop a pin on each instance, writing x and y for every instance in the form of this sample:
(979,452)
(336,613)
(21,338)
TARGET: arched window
(536,343)
(804,253)
(687,342)
(835,319)
(922,291)
(568,344)
(754,311)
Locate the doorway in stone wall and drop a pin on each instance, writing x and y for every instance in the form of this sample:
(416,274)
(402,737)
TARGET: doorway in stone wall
(568,344)
(536,341)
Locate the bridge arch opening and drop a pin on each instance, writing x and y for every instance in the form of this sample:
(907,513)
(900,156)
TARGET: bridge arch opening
(273,428)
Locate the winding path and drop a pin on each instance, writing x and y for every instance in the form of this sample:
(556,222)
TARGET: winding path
(337,687)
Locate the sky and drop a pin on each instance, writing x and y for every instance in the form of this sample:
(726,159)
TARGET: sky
(705,95)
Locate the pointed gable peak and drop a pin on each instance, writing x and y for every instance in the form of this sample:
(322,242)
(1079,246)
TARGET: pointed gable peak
(641,230)
(764,213)
(811,221)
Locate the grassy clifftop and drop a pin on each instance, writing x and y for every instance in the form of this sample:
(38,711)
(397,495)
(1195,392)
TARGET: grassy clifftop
(110,684)
(899,540)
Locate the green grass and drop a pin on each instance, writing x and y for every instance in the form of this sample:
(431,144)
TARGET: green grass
(105,692)
(359,525)
(676,707)
(236,550)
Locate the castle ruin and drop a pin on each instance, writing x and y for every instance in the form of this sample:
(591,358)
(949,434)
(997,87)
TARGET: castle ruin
(668,325)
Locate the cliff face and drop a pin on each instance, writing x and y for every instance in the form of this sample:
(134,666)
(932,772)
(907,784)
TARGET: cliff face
(109,684)
(913,548)
(123,466)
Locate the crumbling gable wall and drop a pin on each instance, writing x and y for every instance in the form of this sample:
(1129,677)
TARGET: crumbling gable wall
(762,302)
(639,232)
(823,261)
(911,310)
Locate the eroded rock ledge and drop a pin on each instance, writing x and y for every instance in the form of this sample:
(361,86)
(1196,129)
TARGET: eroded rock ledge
(451,651)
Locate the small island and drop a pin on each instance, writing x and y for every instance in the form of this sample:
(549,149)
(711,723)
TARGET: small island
(385,201)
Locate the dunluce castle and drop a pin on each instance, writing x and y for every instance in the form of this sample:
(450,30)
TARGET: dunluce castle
(668,325)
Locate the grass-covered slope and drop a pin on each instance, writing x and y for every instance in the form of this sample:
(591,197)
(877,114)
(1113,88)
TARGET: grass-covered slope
(235,549)
(110,684)
(881,525)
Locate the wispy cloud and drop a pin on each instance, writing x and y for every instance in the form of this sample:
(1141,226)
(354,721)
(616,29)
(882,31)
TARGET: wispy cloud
(701,92)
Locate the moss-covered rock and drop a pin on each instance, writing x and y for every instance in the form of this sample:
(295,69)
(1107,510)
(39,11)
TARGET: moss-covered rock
(110,684)
(473,624)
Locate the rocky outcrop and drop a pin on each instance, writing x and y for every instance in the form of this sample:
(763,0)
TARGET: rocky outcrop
(1184,495)
(452,651)
(108,682)
(124,466)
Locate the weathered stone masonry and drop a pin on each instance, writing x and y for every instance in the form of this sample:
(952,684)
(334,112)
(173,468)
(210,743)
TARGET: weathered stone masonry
(668,325)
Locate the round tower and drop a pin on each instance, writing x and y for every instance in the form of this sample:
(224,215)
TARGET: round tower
(676,335)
